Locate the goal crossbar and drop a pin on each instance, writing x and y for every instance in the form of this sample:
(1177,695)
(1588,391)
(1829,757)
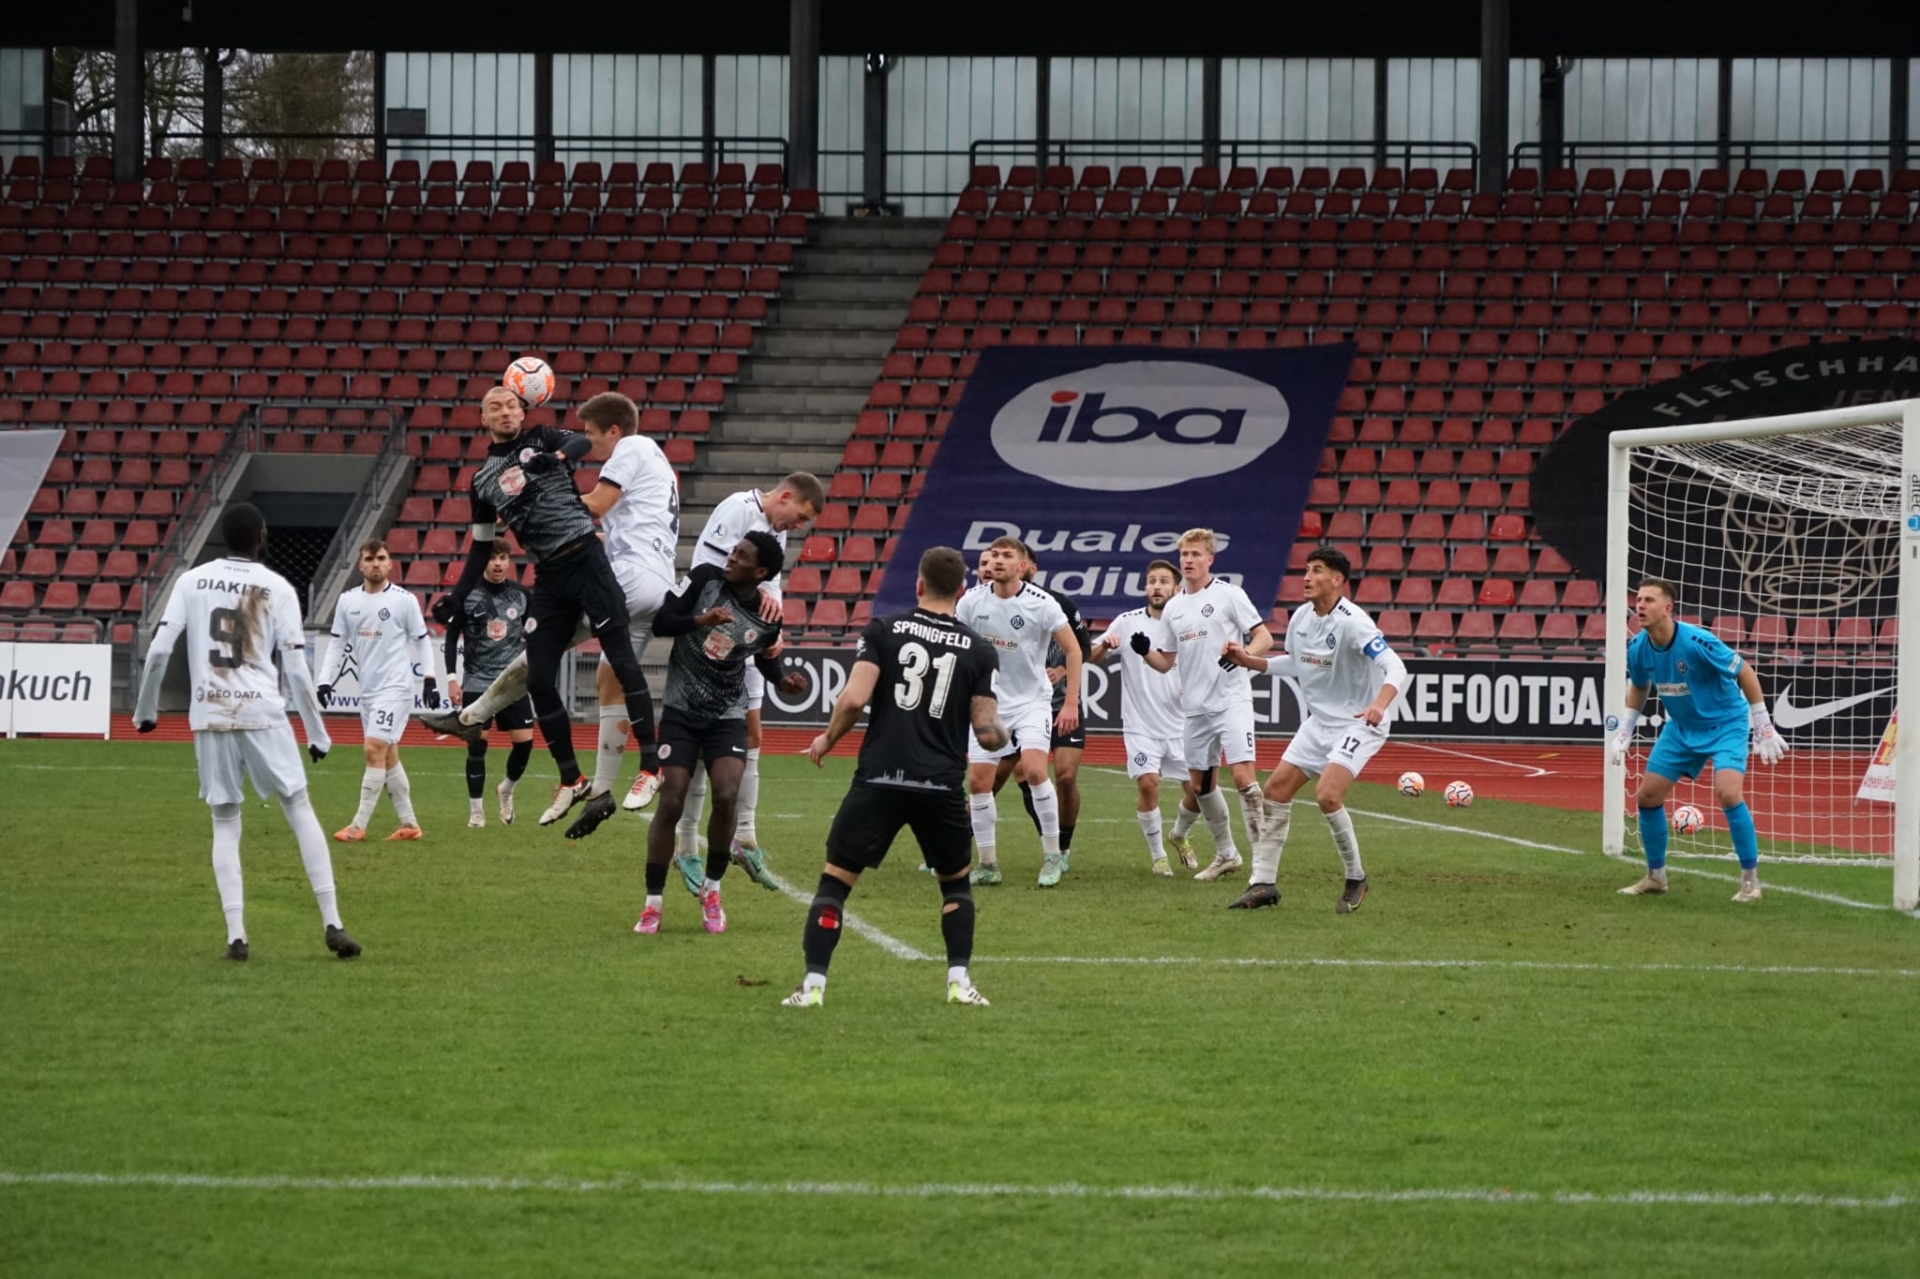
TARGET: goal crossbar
(1897,482)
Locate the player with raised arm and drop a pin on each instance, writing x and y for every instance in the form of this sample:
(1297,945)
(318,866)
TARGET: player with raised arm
(1713,705)
(791,506)
(1196,627)
(714,620)
(1018,619)
(489,631)
(1152,724)
(929,681)
(379,635)
(526,482)
(240,619)
(1348,678)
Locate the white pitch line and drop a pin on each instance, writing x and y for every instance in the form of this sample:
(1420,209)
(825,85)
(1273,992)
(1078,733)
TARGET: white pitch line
(1073,1190)
(1533,771)
(858,926)
(1531,965)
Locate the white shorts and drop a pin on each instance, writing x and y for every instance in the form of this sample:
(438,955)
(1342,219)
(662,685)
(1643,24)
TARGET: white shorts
(1149,755)
(756,687)
(1215,735)
(645,593)
(385,718)
(270,756)
(1349,743)
(1029,727)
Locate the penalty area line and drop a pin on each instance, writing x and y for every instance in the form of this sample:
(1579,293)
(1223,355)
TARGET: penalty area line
(1528,965)
(620,1184)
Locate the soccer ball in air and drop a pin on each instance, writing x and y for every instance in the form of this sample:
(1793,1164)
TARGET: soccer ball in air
(1688,820)
(1459,794)
(1412,785)
(530,378)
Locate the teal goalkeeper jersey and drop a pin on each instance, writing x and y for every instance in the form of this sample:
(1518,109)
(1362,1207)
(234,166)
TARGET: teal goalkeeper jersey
(1696,676)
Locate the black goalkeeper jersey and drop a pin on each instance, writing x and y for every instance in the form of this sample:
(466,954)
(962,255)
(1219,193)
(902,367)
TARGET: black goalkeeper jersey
(492,626)
(921,717)
(541,507)
(707,670)
(1056,656)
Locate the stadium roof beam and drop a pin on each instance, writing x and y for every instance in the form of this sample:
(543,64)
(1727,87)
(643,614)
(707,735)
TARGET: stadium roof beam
(1496,19)
(129,93)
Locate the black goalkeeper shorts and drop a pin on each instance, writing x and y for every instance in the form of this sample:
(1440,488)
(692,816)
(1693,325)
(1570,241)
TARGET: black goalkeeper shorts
(514,717)
(870,818)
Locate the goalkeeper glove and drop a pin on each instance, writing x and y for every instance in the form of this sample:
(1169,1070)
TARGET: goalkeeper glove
(534,461)
(430,694)
(442,610)
(323,692)
(316,753)
(1767,742)
(1617,745)
(1140,643)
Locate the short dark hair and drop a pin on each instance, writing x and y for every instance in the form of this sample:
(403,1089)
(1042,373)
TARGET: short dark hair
(806,487)
(1165,564)
(373,546)
(1661,584)
(501,551)
(944,570)
(612,411)
(772,558)
(1333,557)
(244,529)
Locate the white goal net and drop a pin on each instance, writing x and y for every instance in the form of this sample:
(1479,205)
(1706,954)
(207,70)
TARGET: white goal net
(1797,541)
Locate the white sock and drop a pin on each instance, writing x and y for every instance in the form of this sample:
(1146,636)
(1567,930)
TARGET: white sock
(956,973)
(817,981)
(476,808)
(1046,806)
(1150,827)
(1213,806)
(372,782)
(749,800)
(688,830)
(1183,819)
(654,902)
(401,792)
(982,813)
(613,741)
(1251,798)
(508,783)
(502,693)
(226,868)
(1276,819)
(314,854)
(709,886)
(1340,822)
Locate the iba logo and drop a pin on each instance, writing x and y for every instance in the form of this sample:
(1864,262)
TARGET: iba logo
(1139,424)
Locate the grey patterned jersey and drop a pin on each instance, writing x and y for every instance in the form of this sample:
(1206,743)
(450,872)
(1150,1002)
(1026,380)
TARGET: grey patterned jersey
(542,508)
(707,672)
(493,630)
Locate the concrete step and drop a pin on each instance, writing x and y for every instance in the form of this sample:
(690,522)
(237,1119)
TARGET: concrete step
(706,491)
(745,397)
(870,344)
(833,316)
(881,259)
(767,460)
(879,232)
(816,370)
(875,288)
(822,429)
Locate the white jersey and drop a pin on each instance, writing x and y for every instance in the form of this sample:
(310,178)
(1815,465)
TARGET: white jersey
(236,616)
(643,527)
(384,638)
(1149,700)
(1340,660)
(1019,629)
(737,516)
(1196,625)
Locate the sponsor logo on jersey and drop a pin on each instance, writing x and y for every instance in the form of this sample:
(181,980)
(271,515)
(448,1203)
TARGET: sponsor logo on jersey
(1139,424)
(496,629)
(1672,690)
(513,481)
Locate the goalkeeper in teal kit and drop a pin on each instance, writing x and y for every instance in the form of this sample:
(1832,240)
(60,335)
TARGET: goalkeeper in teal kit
(1713,704)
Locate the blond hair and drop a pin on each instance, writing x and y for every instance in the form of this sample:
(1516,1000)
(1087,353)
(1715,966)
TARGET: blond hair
(1199,537)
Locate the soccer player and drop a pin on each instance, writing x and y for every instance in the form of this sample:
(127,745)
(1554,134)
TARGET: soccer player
(378,629)
(1712,702)
(526,482)
(1067,748)
(490,630)
(1348,678)
(1196,627)
(714,620)
(240,618)
(929,680)
(1018,619)
(1152,724)
(793,505)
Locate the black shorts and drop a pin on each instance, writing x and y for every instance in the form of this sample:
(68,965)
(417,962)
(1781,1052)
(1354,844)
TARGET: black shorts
(684,741)
(576,585)
(1076,740)
(870,817)
(511,719)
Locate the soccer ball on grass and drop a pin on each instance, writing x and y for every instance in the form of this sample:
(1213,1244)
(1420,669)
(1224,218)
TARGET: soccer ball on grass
(1688,820)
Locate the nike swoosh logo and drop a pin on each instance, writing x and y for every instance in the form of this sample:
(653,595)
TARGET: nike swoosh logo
(1788,716)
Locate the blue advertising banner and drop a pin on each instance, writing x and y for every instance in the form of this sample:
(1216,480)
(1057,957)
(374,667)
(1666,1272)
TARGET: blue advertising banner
(1100,457)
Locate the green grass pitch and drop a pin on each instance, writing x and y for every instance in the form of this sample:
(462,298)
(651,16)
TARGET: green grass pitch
(1498,1067)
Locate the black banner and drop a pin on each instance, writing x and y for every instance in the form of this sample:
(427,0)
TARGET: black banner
(1733,553)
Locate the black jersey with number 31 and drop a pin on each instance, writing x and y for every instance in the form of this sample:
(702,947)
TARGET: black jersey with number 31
(921,715)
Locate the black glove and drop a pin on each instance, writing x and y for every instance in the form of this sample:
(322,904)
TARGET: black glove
(323,693)
(145,726)
(1140,643)
(442,610)
(315,753)
(430,694)
(534,461)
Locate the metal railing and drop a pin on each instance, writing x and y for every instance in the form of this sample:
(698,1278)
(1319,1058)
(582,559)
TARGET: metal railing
(1233,151)
(1752,153)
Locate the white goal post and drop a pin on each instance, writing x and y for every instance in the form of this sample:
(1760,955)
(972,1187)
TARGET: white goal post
(1797,539)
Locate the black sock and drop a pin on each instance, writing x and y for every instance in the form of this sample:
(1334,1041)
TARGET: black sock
(656,878)
(1066,839)
(640,717)
(517,759)
(824,916)
(476,769)
(956,925)
(1033,814)
(717,859)
(557,727)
